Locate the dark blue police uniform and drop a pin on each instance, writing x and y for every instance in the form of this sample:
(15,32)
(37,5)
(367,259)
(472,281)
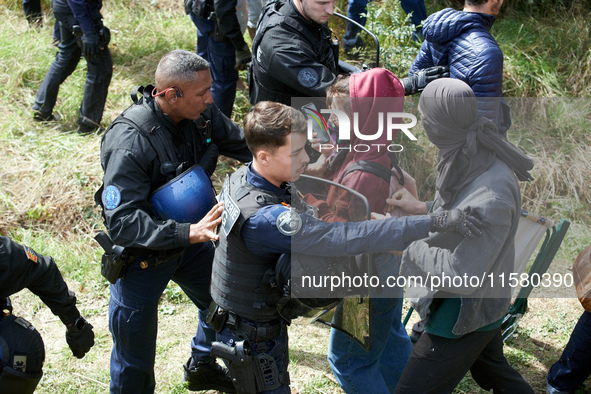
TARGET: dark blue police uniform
(253,236)
(134,169)
(291,56)
(218,39)
(22,352)
(87,15)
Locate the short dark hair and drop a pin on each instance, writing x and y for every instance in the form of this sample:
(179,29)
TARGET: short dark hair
(268,124)
(179,66)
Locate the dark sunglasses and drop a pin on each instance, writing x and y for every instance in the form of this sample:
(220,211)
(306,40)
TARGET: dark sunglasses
(179,92)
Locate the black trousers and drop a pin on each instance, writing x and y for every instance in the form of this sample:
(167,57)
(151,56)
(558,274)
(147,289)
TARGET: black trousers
(574,365)
(437,364)
(98,75)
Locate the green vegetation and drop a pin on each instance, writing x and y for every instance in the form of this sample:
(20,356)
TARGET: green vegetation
(48,174)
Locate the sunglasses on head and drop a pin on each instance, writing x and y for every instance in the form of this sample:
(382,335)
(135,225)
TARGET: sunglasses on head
(179,92)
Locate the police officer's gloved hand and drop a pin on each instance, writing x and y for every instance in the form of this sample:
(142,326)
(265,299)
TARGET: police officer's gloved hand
(421,79)
(80,337)
(209,159)
(90,45)
(457,220)
(243,57)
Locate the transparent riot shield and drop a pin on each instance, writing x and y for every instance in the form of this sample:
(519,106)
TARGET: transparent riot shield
(313,279)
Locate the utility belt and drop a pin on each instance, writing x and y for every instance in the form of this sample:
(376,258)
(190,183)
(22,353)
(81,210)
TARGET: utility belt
(205,9)
(201,8)
(259,333)
(152,258)
(250,373)
(116,259)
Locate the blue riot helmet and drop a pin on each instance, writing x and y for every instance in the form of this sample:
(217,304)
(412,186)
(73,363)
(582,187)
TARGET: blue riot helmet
(185,199)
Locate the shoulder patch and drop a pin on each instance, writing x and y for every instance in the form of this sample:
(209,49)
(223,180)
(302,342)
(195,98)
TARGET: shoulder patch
(308,77)
(19,362)
(31,255)
(111,197)
(289,222)
(22,322)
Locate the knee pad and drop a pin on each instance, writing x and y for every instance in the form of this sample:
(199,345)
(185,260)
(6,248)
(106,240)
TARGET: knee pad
(22,354)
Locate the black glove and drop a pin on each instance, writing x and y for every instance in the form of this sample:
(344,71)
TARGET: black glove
(456,220)
(90,45)
(421,78)
(209,160)
(243,57)
(80,337)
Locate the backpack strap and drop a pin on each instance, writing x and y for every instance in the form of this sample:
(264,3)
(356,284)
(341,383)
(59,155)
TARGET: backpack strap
(142,119)
(369,166)
(378,170)
(134,96)
(398,174)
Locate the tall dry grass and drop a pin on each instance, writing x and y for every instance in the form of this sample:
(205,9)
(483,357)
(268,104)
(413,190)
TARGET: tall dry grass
(48,177)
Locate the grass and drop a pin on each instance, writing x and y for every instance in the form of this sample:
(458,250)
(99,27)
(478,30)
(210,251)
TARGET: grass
(542,64)
(48,175)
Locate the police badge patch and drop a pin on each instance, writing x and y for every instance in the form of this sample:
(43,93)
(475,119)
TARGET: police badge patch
(31,255)
(289,222)
(111,197)
(231,210)
(308,77)
(19,363)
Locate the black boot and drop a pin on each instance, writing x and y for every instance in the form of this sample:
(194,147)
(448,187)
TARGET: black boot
(207,376)
(45,117)
(351,37)
(87,126)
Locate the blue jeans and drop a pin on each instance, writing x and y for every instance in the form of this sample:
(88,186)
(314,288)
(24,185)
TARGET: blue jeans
(98,76)
(221,56)
(277,347)
(574,365)
(378,370)
(133,315)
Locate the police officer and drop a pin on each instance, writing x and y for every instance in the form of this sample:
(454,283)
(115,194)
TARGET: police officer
(220,41)
(172,127)
(293,53)
(295,56)
(82,33)
(22,352)
(259,225)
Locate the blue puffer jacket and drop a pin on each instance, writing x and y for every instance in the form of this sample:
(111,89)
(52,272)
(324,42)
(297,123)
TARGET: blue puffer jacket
(462,40)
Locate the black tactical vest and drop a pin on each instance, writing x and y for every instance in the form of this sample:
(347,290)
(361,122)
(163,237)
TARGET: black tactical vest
(270,88)
(238,274)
